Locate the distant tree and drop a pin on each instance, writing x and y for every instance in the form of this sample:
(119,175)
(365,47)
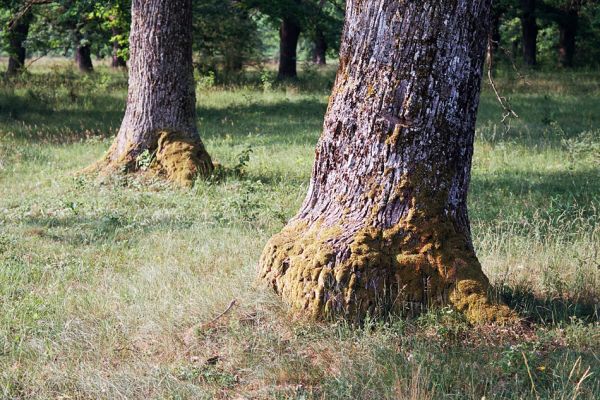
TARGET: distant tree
(384,226)
(15,18)
(565,13)
(115,17)
(291,16)
(159,128)
(325,28)
(16,37)
(528,15)
(225,35)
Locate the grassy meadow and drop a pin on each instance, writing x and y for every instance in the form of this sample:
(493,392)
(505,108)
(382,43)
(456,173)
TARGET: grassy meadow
(117,287)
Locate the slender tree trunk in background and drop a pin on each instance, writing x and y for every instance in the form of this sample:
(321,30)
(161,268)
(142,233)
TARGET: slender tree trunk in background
(83,58)
(384,226)
(117,60)
(17,51)
(530,31)
(160,119)
(320,50)
(567,39)
(289,33)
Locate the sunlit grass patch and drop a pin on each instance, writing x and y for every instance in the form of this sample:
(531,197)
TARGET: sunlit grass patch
(111,288)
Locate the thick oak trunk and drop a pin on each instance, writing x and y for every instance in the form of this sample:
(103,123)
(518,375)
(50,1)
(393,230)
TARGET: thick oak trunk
(384,227)
(17,51)
(160,120)
(83,58)
(289,33)
(529,29)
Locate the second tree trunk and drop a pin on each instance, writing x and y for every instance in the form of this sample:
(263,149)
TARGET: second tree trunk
(159,129)
(289,33)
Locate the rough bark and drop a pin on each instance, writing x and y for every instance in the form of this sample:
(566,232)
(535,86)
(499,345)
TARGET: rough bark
(17,51)
(289,33)
(529,29)
(160,120)
(384,227)
(83,58)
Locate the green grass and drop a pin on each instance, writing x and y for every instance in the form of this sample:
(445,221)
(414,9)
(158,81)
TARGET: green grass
(109,287)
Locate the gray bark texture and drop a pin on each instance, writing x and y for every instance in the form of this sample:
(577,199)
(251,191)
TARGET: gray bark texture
(161,102)
(384,227)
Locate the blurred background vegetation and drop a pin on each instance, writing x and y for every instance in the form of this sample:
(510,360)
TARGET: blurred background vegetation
(233,34)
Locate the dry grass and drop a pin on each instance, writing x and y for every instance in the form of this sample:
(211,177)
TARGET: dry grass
(101,282)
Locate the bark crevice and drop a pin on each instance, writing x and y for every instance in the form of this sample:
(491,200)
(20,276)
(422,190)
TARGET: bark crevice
(384,227)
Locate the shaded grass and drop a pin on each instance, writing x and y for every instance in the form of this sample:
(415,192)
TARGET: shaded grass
(101,280)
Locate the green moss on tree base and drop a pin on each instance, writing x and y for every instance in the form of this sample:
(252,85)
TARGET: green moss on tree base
(174,156)
(417,264)
(181,159)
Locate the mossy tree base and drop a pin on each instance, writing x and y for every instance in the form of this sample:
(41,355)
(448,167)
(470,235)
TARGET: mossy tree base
(328,272)
(173,156)
(158,133)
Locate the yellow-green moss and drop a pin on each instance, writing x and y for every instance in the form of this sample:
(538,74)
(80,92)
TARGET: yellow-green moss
(420,261)
(178,158)
(181,159)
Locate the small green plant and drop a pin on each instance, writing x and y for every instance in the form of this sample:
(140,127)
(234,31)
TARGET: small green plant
(144,160)
(207,81)
(243,159)
(266,80)
(584,146)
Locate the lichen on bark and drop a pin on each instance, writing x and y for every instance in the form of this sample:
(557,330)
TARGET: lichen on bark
(384,227)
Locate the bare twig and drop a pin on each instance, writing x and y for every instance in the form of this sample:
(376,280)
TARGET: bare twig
(23,11)
(188,338)
(508,111)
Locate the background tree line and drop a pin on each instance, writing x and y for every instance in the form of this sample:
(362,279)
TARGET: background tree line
(231,34)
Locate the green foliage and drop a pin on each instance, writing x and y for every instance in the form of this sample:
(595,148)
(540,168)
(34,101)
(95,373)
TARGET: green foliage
(225,36)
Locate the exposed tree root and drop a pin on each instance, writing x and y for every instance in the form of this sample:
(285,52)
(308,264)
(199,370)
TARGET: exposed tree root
(174,156)
(329,273)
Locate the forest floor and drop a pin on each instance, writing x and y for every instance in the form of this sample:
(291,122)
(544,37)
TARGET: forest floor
(109,287)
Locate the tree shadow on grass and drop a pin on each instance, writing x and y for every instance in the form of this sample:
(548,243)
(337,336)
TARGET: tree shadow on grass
(499,195)
(283,122)
(85,231)
(550,310)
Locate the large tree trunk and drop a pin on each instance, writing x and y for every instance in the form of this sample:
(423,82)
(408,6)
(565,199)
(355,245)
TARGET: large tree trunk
(289,33)
(17,51)
(568,32)
(384,227)
(83,58)
(160,120)
(529,29)
(320,50)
